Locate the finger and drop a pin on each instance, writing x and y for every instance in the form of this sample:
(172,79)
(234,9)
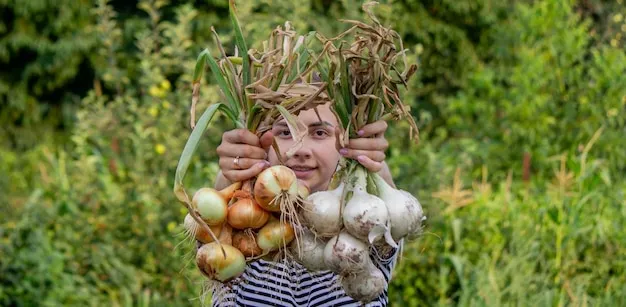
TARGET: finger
(228,163)
(241,136)
(379,144)
(241,150)
(375,128)
(371,165)
(375,155)
(241,175)
(266,140)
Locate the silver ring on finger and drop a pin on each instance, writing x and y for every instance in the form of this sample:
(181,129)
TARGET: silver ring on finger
(236,163)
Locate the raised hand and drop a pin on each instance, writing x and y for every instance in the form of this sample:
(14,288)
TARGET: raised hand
(242,154)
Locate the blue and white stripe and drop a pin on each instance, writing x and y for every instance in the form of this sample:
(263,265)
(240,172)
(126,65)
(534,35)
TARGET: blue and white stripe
(266,283)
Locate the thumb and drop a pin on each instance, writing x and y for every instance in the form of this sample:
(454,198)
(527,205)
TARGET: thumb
(266,140)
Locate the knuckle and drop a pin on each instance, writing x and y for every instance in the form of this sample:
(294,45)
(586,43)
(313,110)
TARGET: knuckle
(228,135)
(241,134)
(220,150)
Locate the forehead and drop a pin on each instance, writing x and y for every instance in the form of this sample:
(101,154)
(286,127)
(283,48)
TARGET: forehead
(309,117)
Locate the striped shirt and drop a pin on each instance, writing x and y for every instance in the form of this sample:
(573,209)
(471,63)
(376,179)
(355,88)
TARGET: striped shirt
(266,283)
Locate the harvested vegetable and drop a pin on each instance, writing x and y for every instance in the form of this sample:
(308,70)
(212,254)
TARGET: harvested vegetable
(345,254)
(245,241)
(275,235)
(366,285)
(246,213)
(322,212)
(220,261)
(310,251)
(194,230)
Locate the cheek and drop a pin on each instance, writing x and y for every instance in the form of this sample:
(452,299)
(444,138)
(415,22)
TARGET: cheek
(328,160)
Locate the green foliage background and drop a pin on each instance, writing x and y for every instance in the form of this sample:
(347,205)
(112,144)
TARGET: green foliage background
(94,104)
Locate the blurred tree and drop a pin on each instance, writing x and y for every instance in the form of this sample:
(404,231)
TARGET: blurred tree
(44,66)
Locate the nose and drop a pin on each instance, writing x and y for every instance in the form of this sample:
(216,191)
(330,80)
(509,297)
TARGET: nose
(305,151)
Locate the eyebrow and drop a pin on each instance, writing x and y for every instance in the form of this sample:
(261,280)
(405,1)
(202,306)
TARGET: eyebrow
(311,125)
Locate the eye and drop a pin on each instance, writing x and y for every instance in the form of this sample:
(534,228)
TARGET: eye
(320,134)
(283,134)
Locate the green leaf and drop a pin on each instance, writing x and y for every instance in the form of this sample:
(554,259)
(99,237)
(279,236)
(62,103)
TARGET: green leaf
(241,44)
(221,82)
(303,57)
(344,83)
(190,148)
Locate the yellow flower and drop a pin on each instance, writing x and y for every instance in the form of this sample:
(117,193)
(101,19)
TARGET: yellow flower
(171,226)
(166,105)
(419,49)
(165,84)
(617,18)
(614,43)
(154,111)
(154,91)
(159,148)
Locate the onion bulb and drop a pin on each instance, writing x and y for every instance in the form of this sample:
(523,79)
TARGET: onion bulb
(211,206)
(212,263)
(195,230)
(363,212)
(245,213)
(226,234)
(321,212)
(275,183)
(246,243)
(309,252)
(365,286)
(303,189)
(275,235)
(345,254)
(405,211)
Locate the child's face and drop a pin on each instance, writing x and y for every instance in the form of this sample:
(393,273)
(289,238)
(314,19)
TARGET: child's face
(316,160)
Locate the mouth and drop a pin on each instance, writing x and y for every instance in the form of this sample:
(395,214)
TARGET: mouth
(302,172)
